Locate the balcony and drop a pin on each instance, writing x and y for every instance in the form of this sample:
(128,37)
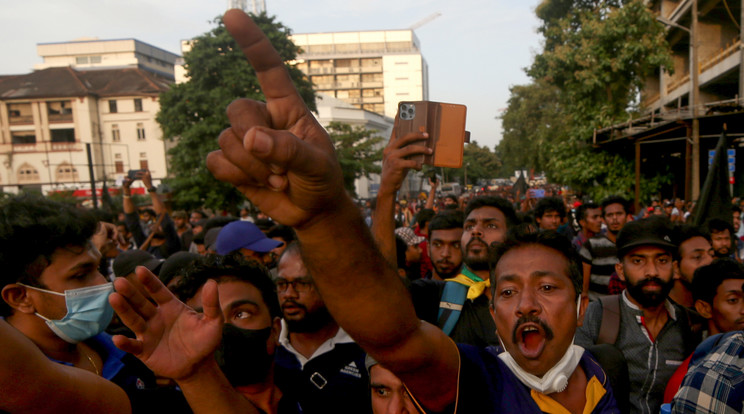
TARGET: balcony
(20,119)
(707,64)
(60,118)
(42,147)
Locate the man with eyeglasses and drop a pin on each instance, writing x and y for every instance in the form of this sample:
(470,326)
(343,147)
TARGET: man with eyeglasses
(316,361)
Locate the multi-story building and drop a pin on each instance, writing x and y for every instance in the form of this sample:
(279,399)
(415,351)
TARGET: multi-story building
(686,108)
(372,70)
(90,54)
(49,118)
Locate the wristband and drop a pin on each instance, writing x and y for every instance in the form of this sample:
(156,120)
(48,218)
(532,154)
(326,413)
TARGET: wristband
(126,196)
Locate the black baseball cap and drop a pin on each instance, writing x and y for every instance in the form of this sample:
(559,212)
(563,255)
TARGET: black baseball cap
(654,231)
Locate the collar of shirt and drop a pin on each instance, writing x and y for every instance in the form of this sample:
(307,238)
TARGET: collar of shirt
(341,337)
(639,312)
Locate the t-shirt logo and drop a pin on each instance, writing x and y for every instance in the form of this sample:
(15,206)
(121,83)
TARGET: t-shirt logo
(140,384)
(351,369)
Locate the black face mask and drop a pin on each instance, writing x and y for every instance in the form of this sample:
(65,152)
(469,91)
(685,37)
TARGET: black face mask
(242,355)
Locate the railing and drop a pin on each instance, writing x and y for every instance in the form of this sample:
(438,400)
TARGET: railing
(723,53)
(60,117)
(708,63)
(21,119)
(42,147)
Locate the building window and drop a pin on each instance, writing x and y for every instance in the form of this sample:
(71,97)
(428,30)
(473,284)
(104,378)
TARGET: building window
(23,137)
(66,172)
(143,165)
(138,105)
(63,135)
(115,133)
(95,59)
(143,155)
(112,106)
(140,131)
(117,156)
(119,166)
(27,174)
(81,60)
(20,113)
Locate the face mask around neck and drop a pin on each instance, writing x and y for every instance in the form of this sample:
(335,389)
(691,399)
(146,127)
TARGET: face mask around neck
(88,312)
(556,379)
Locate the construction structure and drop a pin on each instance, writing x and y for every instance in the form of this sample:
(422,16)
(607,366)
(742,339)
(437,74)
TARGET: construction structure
(686,110)
(372,70)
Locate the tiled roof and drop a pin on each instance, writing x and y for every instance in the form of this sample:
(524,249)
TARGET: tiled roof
(68,82)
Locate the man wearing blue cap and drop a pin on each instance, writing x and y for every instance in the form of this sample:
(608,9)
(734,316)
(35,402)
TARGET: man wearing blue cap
(246,238)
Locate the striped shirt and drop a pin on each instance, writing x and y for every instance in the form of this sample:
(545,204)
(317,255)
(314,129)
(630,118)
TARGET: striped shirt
(601,253)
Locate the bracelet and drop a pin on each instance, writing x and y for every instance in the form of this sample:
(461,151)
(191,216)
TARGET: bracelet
(126,196)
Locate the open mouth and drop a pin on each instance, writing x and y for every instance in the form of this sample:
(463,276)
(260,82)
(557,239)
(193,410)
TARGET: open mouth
(531,340)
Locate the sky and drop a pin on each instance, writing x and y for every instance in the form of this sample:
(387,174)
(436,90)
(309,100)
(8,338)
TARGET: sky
(475,50)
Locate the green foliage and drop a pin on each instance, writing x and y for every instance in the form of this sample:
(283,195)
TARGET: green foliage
(596,57)
(481,164)
(358,151)
(193,113)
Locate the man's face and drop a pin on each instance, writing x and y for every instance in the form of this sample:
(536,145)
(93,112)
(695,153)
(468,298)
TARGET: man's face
(445,251)
(72,267)
(721,242)
(694,252)
(482,227)
(123,231)
(592,220)
(194,218)
(728,306)
(413,254)
(448,201)
(303,310)
(241,302)
(615,217)
(737,220)
(647,271)
(534,306)
(179,222)
(389,396)
(550,220)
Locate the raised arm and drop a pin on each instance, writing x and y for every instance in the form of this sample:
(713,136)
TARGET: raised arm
(31,383)
(157,203)
(432,193)
(278,155)
(395,167)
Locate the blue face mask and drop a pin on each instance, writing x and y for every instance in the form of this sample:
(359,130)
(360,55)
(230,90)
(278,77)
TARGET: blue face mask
(88,312)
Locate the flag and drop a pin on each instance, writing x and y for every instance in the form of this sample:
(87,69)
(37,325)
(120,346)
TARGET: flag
(520,188)
(715,198)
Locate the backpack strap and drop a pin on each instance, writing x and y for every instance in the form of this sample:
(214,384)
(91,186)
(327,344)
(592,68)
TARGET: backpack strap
(609,326)
(453,297)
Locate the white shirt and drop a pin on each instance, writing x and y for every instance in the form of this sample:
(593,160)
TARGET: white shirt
(341,337)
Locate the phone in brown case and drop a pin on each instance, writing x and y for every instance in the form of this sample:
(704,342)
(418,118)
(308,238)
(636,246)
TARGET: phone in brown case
(445,124)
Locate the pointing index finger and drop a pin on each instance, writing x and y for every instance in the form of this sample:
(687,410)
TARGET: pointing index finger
(275,81)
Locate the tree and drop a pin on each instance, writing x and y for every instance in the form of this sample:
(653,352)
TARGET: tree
(358,151)
(596,57)
(193,113)
(480,163)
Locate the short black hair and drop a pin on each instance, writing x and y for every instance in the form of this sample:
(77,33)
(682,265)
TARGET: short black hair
(499,203)
(683,233)
(615,200)
(547,204)
(446,220)
(735,208)
(717,225)
(228,268)
(148,211)
(452,197)
(283,232)
(526,235)
(707,278)
(32,228)
(424,215)
(582,209)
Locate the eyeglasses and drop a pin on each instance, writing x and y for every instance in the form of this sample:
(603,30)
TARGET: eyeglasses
(299,285)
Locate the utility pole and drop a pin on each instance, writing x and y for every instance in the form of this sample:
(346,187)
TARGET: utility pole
(694,101)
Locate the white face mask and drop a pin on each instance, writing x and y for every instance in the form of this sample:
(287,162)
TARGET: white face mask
(556,379)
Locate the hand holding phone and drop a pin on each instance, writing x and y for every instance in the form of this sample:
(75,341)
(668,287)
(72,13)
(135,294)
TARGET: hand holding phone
(445,124)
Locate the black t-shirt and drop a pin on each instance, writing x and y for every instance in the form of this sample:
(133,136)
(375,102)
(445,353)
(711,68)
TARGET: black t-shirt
(475,325)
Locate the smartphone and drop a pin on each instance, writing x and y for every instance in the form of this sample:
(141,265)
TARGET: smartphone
(445,124)
(132,174)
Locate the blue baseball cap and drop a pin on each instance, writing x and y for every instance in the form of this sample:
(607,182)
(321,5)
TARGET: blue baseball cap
(244,235)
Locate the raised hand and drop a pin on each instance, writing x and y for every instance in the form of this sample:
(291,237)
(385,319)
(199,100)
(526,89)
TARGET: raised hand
(395,164)
(276,153)
(172,339)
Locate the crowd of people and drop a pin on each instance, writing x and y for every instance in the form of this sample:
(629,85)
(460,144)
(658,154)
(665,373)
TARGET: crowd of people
(320,305)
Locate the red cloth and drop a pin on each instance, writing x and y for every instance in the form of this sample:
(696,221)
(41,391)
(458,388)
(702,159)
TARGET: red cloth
(676,381)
